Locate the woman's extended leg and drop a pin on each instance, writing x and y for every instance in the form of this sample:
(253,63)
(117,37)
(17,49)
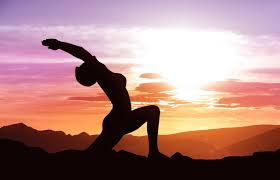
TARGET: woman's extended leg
(105,142)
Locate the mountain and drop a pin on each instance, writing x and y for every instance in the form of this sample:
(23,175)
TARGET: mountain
(19,161)
(51,141)
(204,144)
(266,141)
(54,141)
(223,137)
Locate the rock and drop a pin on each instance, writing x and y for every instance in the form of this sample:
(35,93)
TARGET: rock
(179,157)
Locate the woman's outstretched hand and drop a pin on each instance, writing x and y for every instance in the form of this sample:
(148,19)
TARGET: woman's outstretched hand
(51,43)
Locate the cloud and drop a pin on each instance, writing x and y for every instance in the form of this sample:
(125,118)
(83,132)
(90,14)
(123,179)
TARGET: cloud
(150,76)
(163,99)
(88,98)
(31,74)
(257,101)
(246,94)
(266,71)
(154,87)
(47,73)
(146,97)
(206,13)
(23,43)
(37,83)
(236,87)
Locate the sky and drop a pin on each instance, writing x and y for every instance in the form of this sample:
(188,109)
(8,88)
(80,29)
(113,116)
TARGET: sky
(206,64)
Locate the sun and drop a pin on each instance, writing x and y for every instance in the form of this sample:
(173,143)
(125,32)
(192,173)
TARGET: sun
(189,59)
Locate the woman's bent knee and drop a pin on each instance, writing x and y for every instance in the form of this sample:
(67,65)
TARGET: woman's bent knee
(155,109)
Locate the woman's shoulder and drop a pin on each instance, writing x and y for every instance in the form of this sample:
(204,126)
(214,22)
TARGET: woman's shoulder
(119,75)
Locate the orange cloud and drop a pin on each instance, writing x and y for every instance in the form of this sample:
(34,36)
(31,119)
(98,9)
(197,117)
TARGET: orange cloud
(155,87)
(147,97)
(257,101)
(89,98)
(150,76)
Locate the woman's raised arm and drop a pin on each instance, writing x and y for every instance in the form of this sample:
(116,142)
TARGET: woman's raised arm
(72,49)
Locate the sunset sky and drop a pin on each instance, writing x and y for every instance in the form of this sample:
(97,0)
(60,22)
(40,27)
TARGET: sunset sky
(205,63)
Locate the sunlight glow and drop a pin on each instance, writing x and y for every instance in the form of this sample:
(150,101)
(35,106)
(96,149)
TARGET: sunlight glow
(188,59)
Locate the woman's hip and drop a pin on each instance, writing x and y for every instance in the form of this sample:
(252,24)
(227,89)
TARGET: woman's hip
(116,120)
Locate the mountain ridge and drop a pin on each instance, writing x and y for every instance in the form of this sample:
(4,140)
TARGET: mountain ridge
(261,142)
(202,144)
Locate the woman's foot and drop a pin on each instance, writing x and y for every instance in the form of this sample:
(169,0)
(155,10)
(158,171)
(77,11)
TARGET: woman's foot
(157,156)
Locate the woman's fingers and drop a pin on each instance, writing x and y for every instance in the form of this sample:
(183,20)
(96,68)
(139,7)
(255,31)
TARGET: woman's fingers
(53,47)
(44,43)
(48,42)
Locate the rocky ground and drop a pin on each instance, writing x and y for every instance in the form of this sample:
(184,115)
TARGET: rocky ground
(18,160)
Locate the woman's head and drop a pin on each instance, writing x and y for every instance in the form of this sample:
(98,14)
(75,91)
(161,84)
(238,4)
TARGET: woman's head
(85,75)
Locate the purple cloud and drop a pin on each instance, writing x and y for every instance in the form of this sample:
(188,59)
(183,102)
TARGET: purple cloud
(23,43)
(238,15)
(266,71)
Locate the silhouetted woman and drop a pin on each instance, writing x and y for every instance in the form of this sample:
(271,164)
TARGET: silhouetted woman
(121,120)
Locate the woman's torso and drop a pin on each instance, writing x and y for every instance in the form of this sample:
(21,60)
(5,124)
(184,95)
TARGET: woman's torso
(114,86)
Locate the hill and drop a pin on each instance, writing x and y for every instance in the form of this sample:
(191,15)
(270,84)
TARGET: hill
(223,137)
(204,144)
(54,141)
(266,141)
(49,140)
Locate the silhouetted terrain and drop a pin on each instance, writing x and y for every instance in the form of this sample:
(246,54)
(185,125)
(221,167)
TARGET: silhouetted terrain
(223,137)
(51,141)
(204,144)
(18,160)
(266,141)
